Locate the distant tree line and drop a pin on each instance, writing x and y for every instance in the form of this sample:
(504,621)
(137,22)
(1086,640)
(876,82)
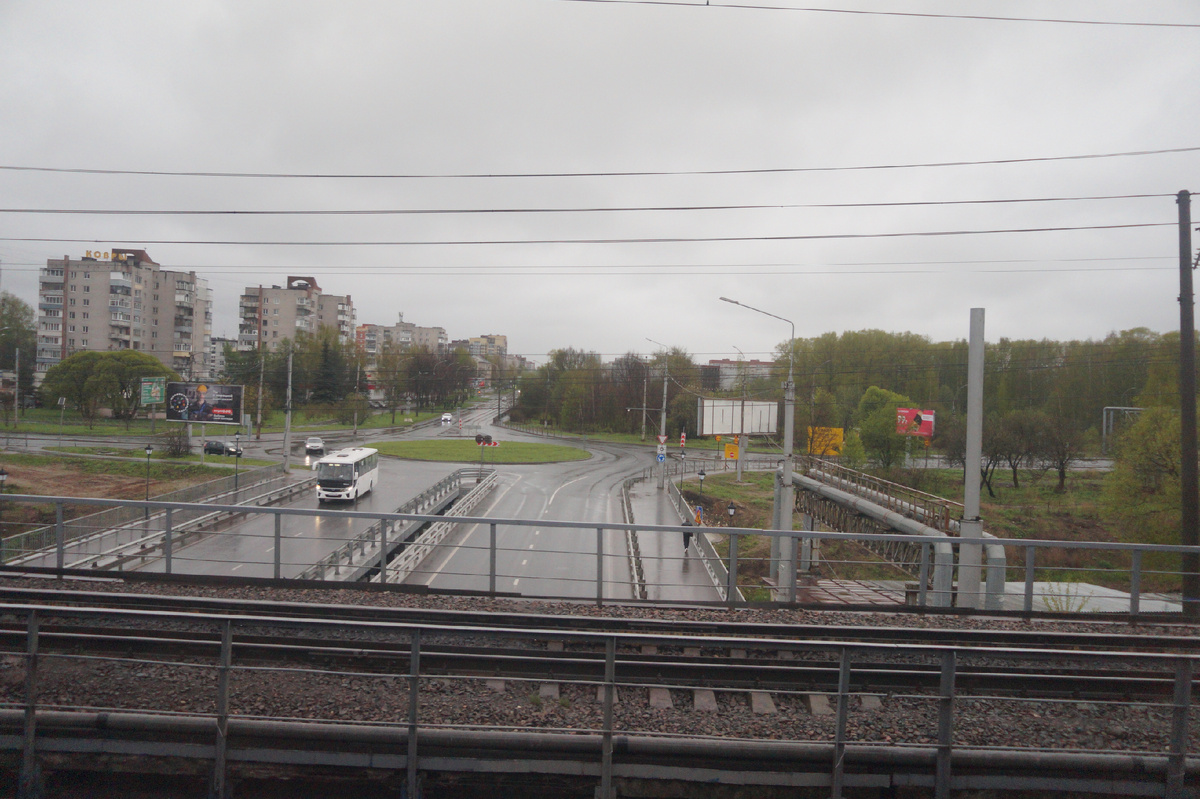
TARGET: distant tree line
(1043,399)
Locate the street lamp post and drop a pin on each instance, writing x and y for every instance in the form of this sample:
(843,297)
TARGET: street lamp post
(237,457)
(662,426)
(701,475)
(149,450)
(787,494)
(3,480)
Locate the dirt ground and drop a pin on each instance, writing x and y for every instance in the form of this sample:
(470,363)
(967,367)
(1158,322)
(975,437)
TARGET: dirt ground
(62,479)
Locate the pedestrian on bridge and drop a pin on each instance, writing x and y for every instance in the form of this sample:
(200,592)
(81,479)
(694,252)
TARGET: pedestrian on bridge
(687,535)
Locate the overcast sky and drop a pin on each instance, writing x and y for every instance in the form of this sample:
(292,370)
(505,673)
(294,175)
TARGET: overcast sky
(503,105)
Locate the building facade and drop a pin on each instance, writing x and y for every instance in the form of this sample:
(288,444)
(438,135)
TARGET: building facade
(271,315)
(123,300)
(489,346)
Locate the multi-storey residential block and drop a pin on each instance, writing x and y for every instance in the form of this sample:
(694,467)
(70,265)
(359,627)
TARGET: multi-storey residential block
(216,356)
(120,300)
(271,315)
(726,374)
(488,346)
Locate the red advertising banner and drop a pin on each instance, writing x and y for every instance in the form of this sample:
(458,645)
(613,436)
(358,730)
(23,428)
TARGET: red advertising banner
(914,422)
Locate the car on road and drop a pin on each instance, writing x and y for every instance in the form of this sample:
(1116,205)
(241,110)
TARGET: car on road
(314,445)
(222,448)
(447,418)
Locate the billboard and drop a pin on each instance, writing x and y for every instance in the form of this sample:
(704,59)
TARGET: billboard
(204,402)
(825,441)
(914,422)
(729,417)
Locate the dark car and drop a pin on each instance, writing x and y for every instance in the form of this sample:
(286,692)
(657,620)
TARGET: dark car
(221,448)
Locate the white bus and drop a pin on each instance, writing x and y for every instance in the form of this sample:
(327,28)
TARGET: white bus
(347,474)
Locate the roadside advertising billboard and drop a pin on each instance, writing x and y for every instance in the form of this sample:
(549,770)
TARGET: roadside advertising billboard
(825,441)
(729,417)
(204,402)
(914,422)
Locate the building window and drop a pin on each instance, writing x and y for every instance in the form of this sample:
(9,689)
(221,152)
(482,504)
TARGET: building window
(85,314)
(85,328)
(70,328)
(87,289)
(86,301)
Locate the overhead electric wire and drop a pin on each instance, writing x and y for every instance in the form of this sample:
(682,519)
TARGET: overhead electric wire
(913,14)
(647,240)
(591,210)
(626,173)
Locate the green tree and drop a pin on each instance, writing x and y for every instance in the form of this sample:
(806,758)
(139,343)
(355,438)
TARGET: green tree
(1143,490)
(113,380)
(18,330)
(876,416)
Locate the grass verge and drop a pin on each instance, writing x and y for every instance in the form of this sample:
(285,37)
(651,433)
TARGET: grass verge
(467,451)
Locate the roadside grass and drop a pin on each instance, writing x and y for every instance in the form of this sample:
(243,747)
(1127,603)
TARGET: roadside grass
(119,452)
(45,421)
(60,475)
(467,451)
(1033,511)
(651,440)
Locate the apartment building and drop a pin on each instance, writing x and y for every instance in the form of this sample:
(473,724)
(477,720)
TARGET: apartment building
(123,299)
(725,374)
(271,315)
(488,346)
(406,335)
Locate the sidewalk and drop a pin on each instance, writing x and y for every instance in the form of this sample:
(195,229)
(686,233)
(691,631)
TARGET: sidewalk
(670,574)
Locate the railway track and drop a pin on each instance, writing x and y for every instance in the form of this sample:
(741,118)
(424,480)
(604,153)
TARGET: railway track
(524,653)
(427,691)
(1121,639)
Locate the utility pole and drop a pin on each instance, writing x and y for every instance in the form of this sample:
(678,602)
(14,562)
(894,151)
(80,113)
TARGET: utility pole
(645,384)
(1189,534)
(287,420)
(262,363)
(662,425)
(357,367)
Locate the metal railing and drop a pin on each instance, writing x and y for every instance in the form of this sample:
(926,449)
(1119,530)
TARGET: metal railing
(231,489)
(958,737)
(1045,587)
(928,509)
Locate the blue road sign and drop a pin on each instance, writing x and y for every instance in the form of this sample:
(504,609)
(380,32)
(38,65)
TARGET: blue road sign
(661,458)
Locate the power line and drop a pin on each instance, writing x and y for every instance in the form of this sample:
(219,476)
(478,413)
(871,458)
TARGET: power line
(648,240)
(651,173)
(592,210)
(912,14)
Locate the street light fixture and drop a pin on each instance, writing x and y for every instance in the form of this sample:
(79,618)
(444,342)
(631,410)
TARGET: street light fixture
(149,450)
(237,457)
(701,475)
(787,497)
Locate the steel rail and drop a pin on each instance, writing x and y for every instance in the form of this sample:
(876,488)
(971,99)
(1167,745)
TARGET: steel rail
(720,670)
(1123,640)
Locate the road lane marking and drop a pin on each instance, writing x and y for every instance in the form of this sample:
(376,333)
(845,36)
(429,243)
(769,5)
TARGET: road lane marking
(235,568)
(467,536)
(561,487)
